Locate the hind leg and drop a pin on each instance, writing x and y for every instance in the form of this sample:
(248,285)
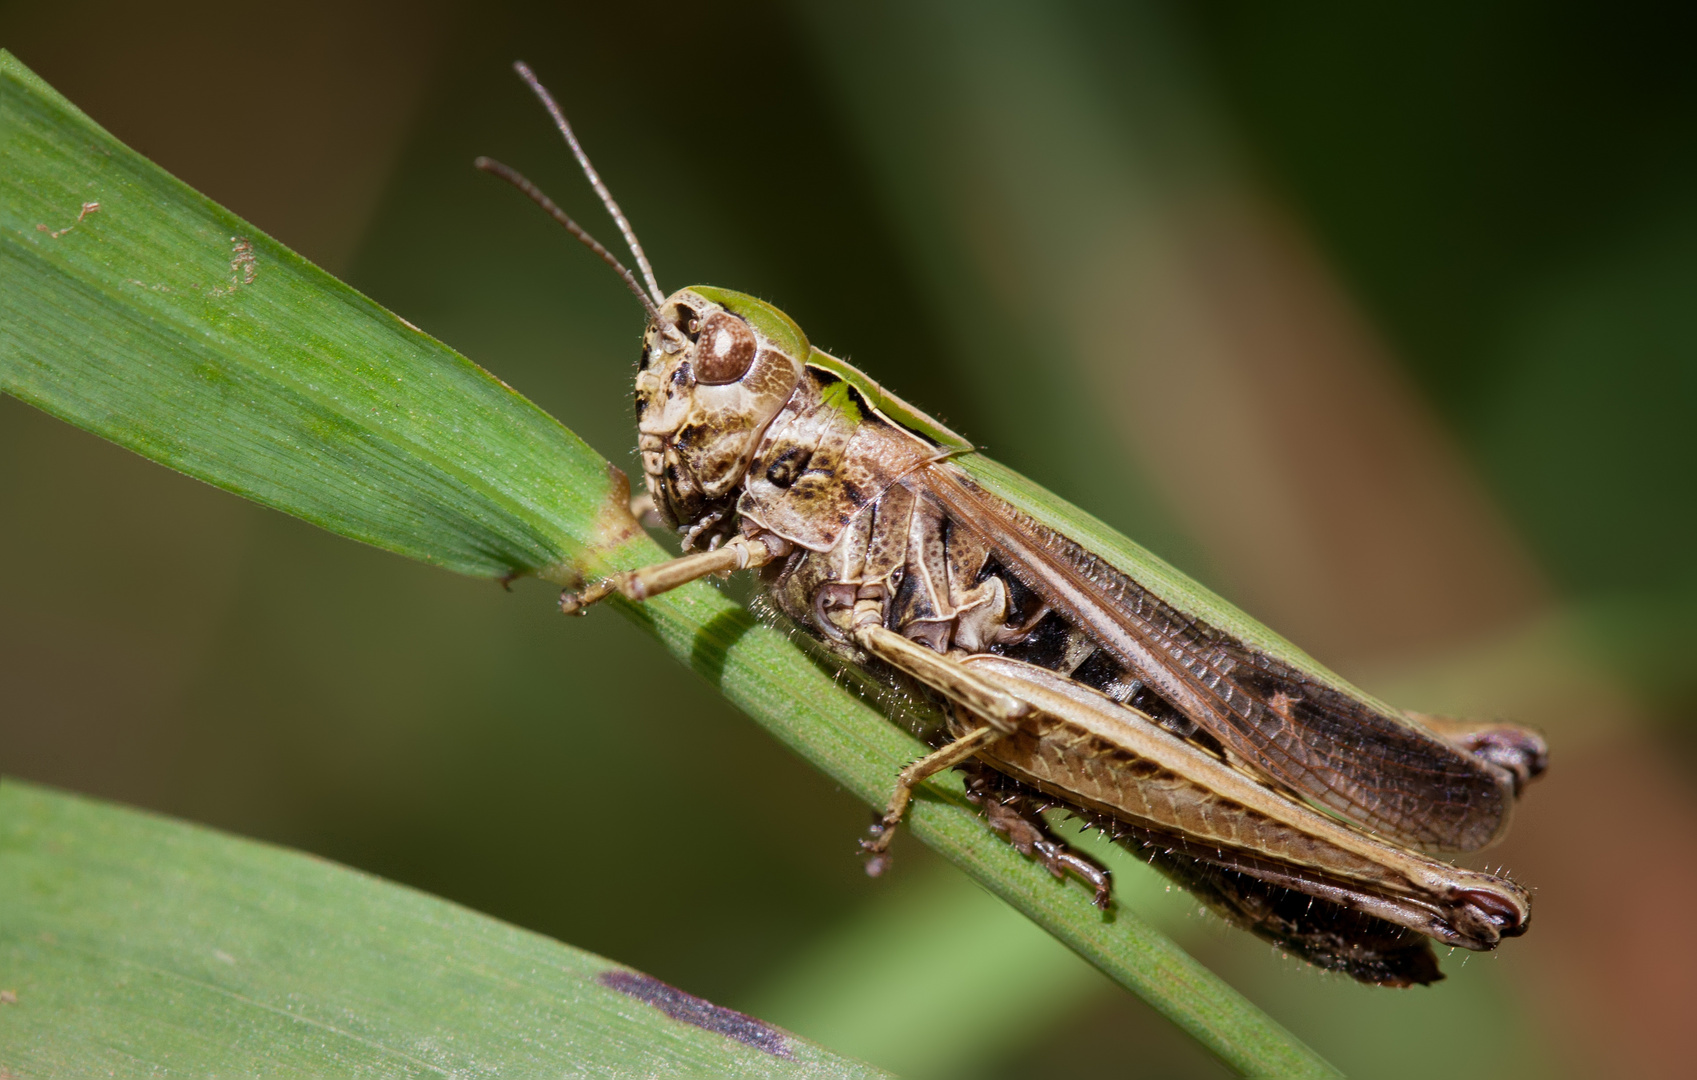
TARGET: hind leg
(1022,823)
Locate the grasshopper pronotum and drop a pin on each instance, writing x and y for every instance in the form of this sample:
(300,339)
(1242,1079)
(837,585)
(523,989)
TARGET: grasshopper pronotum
(1074,668)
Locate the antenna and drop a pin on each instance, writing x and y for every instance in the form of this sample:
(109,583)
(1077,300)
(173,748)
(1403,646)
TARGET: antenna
(607,201)
(534,193)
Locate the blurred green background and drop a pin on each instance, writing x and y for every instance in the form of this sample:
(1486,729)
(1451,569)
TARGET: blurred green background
(1381,321)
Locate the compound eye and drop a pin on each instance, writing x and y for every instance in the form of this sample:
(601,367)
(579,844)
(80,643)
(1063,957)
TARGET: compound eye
(724,350)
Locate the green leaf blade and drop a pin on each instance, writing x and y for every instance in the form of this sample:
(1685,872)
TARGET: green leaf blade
(135,945)
(172,327)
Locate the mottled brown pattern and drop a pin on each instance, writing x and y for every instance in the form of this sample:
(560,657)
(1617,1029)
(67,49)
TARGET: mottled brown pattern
(849,464)
(1111,760)
(1331,934)
(697,439)
(868,520)
(1370,767)
(1062,760)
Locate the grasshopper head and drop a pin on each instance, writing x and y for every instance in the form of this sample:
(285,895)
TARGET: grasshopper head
(717,366)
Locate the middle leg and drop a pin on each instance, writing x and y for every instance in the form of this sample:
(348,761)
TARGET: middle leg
(884,829)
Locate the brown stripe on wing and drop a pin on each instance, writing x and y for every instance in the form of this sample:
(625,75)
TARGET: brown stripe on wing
(1365,765)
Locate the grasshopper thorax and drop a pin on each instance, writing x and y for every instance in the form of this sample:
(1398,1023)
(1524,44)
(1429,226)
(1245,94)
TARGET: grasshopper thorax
(717,367)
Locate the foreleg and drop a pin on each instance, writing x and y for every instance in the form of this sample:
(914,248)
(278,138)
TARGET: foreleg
(739,553)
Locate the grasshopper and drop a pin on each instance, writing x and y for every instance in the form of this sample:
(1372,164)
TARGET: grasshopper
(1073,668)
